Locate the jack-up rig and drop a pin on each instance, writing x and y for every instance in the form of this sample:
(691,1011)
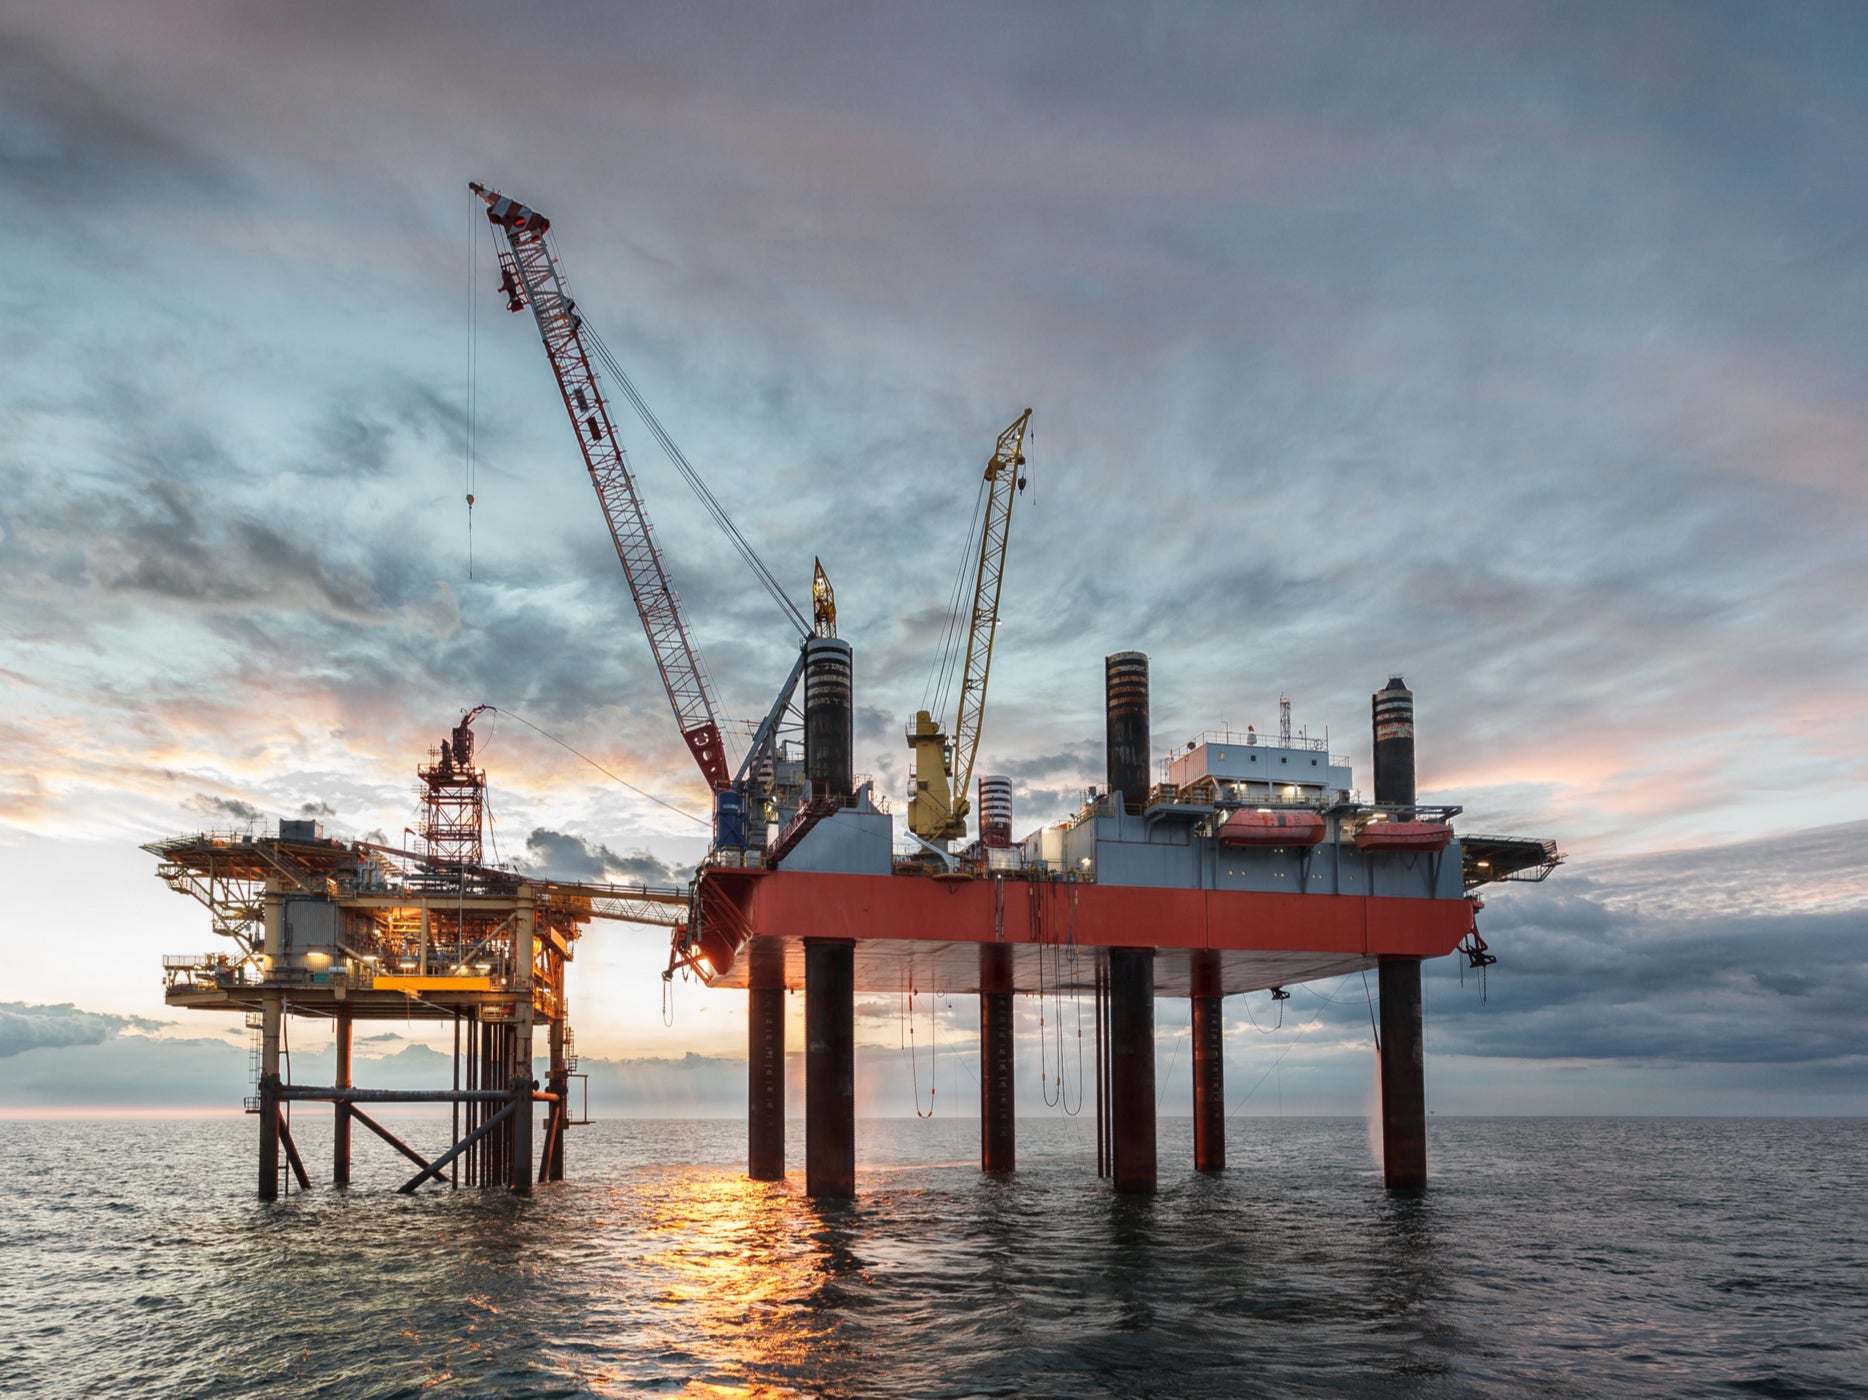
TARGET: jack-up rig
(1248,865)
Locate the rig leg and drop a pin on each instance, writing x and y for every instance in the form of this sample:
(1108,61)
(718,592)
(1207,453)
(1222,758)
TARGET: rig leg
(1102,1072)
(830,1067)
(557,1113)
(997,1124)
(1132,1069)
(1404,1077)
(271,1011)
(1209,1068)
(340,1112)
(765,1063)
(519,1149)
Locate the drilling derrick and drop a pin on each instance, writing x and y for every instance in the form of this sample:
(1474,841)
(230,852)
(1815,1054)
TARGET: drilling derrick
(453,796)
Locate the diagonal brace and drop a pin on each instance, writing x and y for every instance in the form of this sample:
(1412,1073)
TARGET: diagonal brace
(439,1165)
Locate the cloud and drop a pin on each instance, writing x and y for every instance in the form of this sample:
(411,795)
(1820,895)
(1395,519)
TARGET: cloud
(316,808)
(559,856)
(1670,959)
(228,808)
(26,1027)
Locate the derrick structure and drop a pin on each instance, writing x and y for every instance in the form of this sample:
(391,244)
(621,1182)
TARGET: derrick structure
(452,793)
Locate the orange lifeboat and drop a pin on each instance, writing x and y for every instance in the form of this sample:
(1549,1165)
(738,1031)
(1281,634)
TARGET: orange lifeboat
(1247,828)
(1404,836)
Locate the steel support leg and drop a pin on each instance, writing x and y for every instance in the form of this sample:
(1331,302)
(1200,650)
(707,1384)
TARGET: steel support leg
(1404,1077)
(997,1125)
(1132,1077)
(830,1067)
(1209,1065)
(765,1063)
(1209,1085)
(340,1112)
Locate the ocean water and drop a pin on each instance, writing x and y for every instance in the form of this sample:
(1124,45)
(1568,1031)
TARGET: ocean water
(1559,1257)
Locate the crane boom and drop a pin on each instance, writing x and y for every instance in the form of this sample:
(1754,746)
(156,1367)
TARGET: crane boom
(530,276)
(938,809)
(1005,483)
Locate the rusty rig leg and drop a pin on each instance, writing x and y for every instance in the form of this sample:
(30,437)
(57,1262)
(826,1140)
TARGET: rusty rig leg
(340,1112)
(997,1123)
(830,1067)
(1209,1066)
(1132,1077)
(1404,1077)
(765,1062)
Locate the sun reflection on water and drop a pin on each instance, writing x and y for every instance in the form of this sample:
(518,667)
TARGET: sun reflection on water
(754,1276)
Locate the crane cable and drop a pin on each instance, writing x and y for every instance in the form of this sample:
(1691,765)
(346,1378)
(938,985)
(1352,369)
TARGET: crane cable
(473,359)
(514,714)
(947,660)
(699,487)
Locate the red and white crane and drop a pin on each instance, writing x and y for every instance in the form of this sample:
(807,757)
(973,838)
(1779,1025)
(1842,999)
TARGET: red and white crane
(530,276)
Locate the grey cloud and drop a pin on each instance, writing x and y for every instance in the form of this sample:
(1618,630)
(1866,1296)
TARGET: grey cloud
(24,1026)
(69,141)
(556,855)
(316,809)
(224,808)
(1602,971)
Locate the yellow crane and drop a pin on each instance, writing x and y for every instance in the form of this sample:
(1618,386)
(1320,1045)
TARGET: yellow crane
(937,806)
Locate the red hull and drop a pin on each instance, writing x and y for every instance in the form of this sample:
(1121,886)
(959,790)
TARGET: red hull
(898,920)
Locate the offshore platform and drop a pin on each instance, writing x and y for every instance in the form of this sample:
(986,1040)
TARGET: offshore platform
(1248,863)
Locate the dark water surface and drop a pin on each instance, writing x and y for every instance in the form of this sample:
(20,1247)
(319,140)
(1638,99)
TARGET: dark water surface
(1565,1257)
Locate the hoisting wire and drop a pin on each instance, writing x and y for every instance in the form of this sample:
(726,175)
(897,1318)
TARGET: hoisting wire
(700,489)
(948,659)
(1161,1087)
(914,1061)
(473,357)
(1371,1000)
(1230,1113)
(514,714)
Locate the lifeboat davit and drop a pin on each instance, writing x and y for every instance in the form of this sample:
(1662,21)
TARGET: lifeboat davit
(1246,828)
(1404,836)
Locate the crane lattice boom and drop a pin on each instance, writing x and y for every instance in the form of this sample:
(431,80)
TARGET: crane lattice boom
(531,276)
(1004,485)
(938,808)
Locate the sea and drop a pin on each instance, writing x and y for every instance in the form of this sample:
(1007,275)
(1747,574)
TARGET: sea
(1551,1257)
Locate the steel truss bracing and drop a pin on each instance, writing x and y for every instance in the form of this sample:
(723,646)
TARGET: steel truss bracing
(534,278)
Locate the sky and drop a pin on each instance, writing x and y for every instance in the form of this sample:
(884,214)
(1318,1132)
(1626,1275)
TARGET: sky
(1518,350)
